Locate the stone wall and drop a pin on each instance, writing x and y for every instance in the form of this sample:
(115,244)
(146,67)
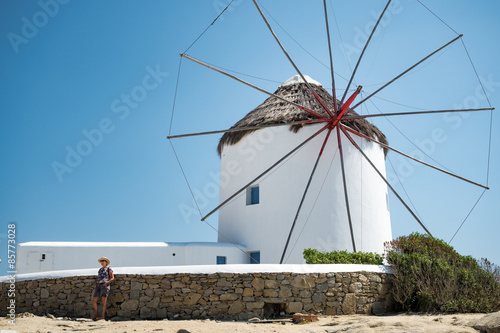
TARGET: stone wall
(220,295)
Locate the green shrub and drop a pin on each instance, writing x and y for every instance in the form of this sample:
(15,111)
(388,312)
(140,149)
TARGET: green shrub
(430,275)
(313,256)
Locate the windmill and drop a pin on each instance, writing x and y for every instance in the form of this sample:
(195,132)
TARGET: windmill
(324,126)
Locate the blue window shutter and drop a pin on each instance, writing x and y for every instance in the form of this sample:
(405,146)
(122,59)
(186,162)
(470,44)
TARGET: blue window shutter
(221,260)
(255,195)
(255,257)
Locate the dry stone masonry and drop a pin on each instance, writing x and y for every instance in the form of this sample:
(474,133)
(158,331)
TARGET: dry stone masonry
(220,295)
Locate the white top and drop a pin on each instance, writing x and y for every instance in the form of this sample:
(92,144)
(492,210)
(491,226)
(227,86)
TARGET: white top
(207,269)
(123,244)
(297,79)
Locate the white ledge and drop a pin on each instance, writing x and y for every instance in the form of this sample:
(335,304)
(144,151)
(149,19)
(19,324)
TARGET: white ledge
(207,269)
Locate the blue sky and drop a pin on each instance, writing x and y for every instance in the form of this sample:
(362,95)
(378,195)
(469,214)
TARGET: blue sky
(88,87)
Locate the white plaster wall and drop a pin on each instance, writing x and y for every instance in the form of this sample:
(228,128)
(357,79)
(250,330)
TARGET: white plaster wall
(80,255)
(322,223)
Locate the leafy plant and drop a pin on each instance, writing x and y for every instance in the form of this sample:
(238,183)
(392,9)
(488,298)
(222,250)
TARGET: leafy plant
(430,275)
(314,256)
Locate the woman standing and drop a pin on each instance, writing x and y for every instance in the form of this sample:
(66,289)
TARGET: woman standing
(104,278)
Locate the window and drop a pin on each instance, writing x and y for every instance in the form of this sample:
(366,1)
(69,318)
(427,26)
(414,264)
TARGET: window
(253,195)
(221,260)
(255,257)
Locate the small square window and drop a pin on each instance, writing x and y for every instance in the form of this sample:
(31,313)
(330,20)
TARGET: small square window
(255,257)
(253,195)
(221,260)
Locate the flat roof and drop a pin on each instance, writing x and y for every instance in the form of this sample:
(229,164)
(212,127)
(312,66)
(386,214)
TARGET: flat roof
(125,244)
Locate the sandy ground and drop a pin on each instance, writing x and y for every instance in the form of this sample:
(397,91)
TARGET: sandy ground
(357,323)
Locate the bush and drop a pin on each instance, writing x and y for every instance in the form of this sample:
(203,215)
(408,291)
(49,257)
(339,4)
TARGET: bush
(430,275)
(313,256)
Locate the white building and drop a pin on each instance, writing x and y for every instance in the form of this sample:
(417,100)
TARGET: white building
(54,256)
(259,220)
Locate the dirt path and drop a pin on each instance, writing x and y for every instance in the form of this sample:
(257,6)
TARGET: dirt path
(358,323)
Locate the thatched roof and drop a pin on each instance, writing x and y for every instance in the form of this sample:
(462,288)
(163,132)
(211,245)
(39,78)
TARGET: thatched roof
(275,111)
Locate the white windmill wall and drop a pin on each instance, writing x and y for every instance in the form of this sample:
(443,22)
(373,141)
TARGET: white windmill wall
(322,223)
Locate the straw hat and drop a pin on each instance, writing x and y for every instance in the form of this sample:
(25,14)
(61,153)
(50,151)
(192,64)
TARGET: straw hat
(104,258)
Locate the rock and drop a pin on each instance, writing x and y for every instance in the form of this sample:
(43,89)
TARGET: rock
(305,294)
(270,293)
(384,288)
(154,303)
(258,283)
(161,313)
(349,304)
(228,297)
(255,305)
(145,313)
(192,299)
(332,311)
(183,331)
(134,294)
(44,293)
(50,316)
(271,284)
(319,298)
(355,287)
(224,283)
(117,297)
(178,284)
(254,320)
(169,292)
(490,323)
(322,287)
(130,305)
(247,292)
(236,307)
(80,308)
(303,282)
(194,286)
(362,278)
(294,307)
(374,278)
(285,292)
(136,285)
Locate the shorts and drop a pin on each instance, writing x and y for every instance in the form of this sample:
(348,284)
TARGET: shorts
(101,290)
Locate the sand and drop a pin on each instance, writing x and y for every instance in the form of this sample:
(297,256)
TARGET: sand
(358,323)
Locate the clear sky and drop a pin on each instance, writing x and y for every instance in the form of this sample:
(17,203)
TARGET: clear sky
(87,89)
